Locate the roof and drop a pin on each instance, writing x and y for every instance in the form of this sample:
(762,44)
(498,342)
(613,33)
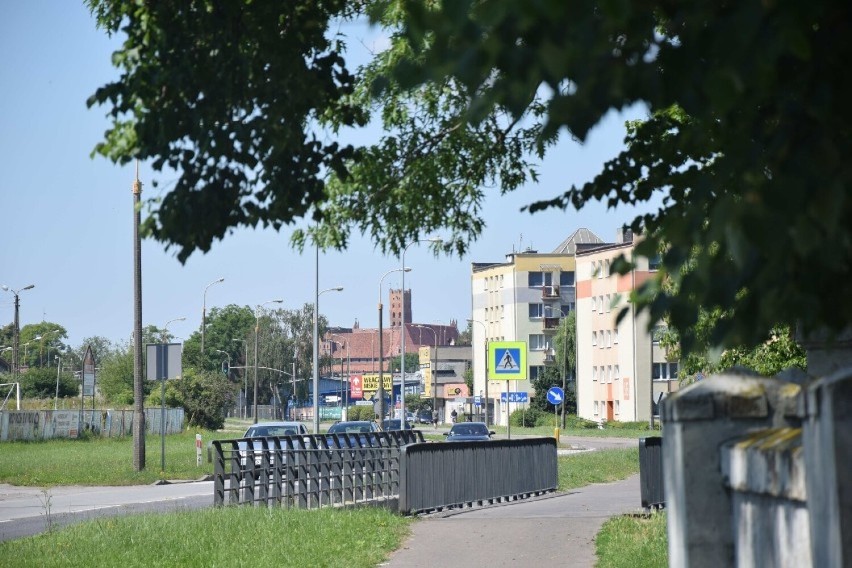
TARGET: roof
(581,237)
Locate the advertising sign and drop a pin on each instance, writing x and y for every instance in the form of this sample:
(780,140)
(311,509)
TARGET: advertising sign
(89,372)
(370,384)
(356,387)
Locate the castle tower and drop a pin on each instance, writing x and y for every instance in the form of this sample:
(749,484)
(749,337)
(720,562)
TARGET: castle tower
(396,307)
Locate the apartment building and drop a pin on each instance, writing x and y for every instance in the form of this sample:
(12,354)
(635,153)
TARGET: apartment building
(622,371)
(522,299)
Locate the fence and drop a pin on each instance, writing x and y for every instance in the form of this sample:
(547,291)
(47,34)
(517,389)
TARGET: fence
(47,424)
(757,472)
(395,469)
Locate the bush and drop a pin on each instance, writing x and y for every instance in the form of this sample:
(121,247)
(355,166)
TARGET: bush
(528,418)
(574,421)
(361,413)
(616,425)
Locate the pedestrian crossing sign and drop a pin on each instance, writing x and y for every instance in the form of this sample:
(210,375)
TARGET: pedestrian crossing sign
(507,361)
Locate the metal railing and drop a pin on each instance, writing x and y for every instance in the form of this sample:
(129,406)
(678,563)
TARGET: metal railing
(309,471)
(462,474)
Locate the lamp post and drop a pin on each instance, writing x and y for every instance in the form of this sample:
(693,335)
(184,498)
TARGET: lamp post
(17,329)
(434,372)
(226,354)
(344,394)
(40,338)
(381,392)
(26,347)
(256,332)
(485,339)
(204,311)
(316,344)
(245,377)
(163,404)
(402,339)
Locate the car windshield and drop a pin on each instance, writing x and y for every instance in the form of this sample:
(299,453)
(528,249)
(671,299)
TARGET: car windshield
(269,431)
(469,430)
(350,428)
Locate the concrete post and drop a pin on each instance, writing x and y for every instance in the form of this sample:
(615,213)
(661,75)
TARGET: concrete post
(698,419)
(827,439)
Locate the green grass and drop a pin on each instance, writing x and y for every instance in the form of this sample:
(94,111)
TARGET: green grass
(231,536)
(633,542)
(600,466)
(102,461)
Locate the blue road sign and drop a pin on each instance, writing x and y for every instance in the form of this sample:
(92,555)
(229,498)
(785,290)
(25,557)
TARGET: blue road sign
(515,397)
(477,401)
(555,395)
(508,361)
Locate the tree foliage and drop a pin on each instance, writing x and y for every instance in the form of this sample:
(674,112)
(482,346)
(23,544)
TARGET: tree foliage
(41,382)
(746,138)
(204,396)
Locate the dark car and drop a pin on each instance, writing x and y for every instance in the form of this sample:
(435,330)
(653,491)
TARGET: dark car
(395,424)
(424,417)
(469,432)
(354,427)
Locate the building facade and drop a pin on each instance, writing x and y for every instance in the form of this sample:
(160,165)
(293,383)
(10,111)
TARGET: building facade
(522,299)
(622,371)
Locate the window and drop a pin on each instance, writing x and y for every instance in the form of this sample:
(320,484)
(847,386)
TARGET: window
(608,339)
(600,269)
(673,370)
(617,406)
(594,373)
(664,371)
(608,271)
(537,342)
(567,309)
(657,334)
(596,407)
(616,372)
(566,278)
(608,303)
(536,371)
(615,336)
(654,263)
(594,338)
(539,279)
(594,304)
(600,305)
(536,310)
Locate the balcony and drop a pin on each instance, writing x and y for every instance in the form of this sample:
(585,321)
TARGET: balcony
(550,356)
(550,292)
(551,323)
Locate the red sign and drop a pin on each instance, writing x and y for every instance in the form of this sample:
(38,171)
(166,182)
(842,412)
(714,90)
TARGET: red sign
(356,386)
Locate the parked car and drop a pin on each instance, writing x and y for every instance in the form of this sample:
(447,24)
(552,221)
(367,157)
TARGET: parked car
(354,427)
(469,432)
(424,417)
(395,424)
(267,430)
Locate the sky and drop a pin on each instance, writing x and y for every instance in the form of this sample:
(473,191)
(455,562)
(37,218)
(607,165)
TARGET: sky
(66,218)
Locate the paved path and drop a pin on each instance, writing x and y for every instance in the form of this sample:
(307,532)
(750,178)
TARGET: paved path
(557,530)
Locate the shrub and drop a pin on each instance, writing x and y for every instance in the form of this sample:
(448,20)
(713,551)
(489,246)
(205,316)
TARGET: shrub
(527,418)
(574,421)
(361,413)
(616,425)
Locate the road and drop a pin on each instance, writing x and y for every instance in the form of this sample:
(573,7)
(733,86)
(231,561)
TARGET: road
(26,511)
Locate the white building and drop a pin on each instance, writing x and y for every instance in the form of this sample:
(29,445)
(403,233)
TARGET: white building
(620,368)
(522,299)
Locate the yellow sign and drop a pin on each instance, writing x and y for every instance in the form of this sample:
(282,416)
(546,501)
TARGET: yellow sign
(371,382)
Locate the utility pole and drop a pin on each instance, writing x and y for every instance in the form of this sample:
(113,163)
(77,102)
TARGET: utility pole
(138,391)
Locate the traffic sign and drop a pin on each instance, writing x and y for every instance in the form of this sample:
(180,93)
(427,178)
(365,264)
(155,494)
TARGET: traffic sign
(515,397)
(555,395)
(477,400)
(507,360)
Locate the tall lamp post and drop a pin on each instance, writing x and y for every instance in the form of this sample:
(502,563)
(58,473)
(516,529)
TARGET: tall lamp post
(485,340)
(256,333)
(381,392)
(40,338)
(204,311)
(245,377)
(17,330)
(344,394)
(402,339)
(316,345)
(226,354)
(138,386)
(58,366)
(434,372)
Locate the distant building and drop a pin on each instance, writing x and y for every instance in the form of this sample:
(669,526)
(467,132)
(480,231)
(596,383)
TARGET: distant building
(621,368)
(522,299)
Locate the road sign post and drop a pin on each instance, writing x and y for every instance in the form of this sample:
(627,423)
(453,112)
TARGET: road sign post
(556,396)
(507,361)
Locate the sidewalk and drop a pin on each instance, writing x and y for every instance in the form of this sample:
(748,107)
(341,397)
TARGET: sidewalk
(557,530)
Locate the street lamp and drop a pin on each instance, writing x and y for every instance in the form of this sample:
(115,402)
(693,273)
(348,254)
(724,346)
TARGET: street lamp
(17,330)
(256,332)
(40,338)
(485,339)
(381,392)
(58,366)
(226,354)
(316,345)
(344,394)
(434,372)
(245,377)
(204,311)
(402,340)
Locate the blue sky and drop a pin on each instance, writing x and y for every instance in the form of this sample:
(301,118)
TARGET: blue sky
(66,218)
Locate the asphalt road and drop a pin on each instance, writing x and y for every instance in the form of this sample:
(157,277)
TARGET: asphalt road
(26,511)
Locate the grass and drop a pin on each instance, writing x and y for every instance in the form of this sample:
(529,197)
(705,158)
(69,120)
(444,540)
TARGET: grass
(600,466)
(103,461)
(633,542)
(230,536)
